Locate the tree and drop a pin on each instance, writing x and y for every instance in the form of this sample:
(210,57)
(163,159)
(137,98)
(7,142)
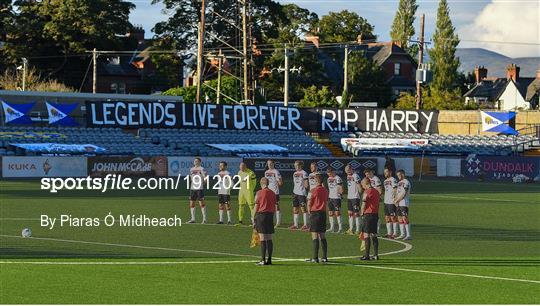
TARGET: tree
(443,55)
(403,25)
(344,26)
(434,99)
(11,80)
(51,32)
(367,81)
(314,97)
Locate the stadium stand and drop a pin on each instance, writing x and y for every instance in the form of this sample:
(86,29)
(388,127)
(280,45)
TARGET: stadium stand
(436,144)
(157,141)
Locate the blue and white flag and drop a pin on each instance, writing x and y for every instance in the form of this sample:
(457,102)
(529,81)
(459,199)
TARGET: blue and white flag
(497,122)
(59,113)
(17,113)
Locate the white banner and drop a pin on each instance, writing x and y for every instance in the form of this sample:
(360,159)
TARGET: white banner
(182,164)
(44,166)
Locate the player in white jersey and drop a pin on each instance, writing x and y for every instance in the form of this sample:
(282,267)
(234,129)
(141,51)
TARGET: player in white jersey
(197,176)
(312,177)
(354,189)
(335,192)
(402,200)
(274,182)
(390,209)
(373,179)
(224,192)
(300,187)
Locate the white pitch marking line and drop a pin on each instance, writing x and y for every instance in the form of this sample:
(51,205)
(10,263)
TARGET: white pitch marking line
(438,273)
(471,198)
(407,248)
(131,246)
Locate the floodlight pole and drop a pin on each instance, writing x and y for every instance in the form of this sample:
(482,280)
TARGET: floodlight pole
(25,67)
(94,70)
(200,52)
(286,79)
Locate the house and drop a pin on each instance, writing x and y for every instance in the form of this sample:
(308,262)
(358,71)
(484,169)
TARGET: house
(131,74)
(511,93)
(398,65)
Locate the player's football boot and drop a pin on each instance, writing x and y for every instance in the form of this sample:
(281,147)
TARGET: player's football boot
(349,232)
(407,238)
(203,222)
(313,260)
(240,223)
(305,228)
(389,236)
(324,260)
(365,258)
(229,223)
(399,237)
(375,257)
(261,263)
(293,227)
(330,230)
(219,222)
(191,221)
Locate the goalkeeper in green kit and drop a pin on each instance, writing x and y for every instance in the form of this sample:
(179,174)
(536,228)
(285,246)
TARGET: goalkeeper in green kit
(248,181)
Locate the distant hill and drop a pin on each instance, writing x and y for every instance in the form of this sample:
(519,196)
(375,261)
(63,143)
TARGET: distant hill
(495,63)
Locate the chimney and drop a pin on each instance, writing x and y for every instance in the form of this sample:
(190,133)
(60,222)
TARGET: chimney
(480,73)
(512,72)
(137,33)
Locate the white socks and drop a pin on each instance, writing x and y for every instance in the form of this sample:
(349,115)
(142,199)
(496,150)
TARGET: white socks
(402,229)
(278,217)
(295,219)
(192,210)
(396,226)
(408,228)
(389,228)
(331,223)
(357,224)
(351,223)
(339,223)
(305,219)
(203,210)
(221,215)
(229,215)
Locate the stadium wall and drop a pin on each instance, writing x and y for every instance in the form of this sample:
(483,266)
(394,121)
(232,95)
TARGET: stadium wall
(469,123)
(488,168)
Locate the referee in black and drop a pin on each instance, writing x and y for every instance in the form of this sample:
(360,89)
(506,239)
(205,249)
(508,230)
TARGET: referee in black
(265,208)
(317,219)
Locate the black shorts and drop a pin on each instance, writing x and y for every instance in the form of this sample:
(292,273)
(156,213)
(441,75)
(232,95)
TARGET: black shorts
(369,223)
(317,221)
(196,195)
(390,210)
(264,222)
(402,211)
(334,204)
(298,200)
(353,205)
(224,199)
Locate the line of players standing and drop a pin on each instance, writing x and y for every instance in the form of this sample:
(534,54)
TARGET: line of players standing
(396,196)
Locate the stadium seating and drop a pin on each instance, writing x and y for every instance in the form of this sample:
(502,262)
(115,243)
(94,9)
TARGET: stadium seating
(153,142)
(438,144)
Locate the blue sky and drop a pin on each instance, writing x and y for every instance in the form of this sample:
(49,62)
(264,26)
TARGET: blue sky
(488,21)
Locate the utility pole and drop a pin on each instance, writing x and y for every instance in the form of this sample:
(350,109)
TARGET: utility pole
(200,52)
(25,67)
(286,81)
(94,70)
(346,72)
(220,64)
(420,62)
(244,50)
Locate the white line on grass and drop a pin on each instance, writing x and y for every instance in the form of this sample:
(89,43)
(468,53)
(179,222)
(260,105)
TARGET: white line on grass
(437,272)
(405,249)
(471,198)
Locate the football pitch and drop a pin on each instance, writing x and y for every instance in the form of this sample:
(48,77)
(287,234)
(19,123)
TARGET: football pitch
(473,242)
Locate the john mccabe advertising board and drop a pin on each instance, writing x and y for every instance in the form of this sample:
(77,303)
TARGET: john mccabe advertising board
(127,166)
(286,165)
(257,117)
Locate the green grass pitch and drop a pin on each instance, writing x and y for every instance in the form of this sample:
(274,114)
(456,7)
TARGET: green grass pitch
(473,242)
